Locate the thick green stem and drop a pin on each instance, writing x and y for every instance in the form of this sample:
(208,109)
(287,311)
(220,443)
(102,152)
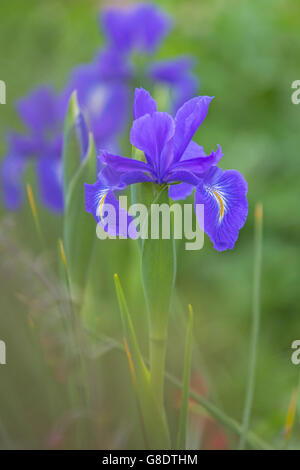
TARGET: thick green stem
(158,270)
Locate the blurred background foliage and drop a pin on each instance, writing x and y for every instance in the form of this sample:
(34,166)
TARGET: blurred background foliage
(247,57)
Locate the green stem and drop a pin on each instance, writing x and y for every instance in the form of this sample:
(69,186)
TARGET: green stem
(255,325)
(158,274)
(157,367)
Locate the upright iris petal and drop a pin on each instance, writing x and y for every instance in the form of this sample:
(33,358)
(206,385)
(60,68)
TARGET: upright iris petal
(151,134)
(143,104)
(188,118)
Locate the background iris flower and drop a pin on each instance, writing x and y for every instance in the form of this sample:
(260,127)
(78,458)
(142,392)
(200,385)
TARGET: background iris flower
(104,87)
(42,112)
(172,157)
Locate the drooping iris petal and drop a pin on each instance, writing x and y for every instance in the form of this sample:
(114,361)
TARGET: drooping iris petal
(115,220)
(49,177)
(143,103)
(150,134)
(180,191)
(110,177)
(94,198)
(223,194)
(101,202)
(187,120)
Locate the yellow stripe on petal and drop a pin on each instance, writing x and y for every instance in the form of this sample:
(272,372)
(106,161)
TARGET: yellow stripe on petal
(220,200)
(101,205)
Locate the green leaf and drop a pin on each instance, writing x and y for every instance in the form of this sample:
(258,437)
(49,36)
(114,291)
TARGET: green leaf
(153,417)
(79,226)
(183,416)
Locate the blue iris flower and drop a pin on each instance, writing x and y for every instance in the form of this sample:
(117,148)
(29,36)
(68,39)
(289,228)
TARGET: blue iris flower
(42,113)
(171,156)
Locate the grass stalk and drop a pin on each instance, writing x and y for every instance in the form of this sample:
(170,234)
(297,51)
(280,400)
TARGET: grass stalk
(258,225)
(183,415)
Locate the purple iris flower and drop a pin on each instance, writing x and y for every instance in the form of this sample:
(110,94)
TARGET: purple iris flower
(104,85)
(42,113)
(171,156)
(104,95)
(140,28)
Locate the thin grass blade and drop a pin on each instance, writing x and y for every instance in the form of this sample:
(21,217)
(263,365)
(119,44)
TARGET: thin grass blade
(258,225)
(183,414)
(153,417)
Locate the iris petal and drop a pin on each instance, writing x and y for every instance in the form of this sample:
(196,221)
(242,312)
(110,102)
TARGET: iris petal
(187,120)
(223,194)
(143,103)
(180,191)
(12,169)
(123,164)
(150,134)
(101,202)
(49,182)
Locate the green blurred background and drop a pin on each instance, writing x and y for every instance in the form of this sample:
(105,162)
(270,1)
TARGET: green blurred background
(247,57)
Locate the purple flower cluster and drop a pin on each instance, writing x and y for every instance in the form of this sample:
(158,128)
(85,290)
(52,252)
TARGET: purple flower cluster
(171,156)
(104,88)
(105,85)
